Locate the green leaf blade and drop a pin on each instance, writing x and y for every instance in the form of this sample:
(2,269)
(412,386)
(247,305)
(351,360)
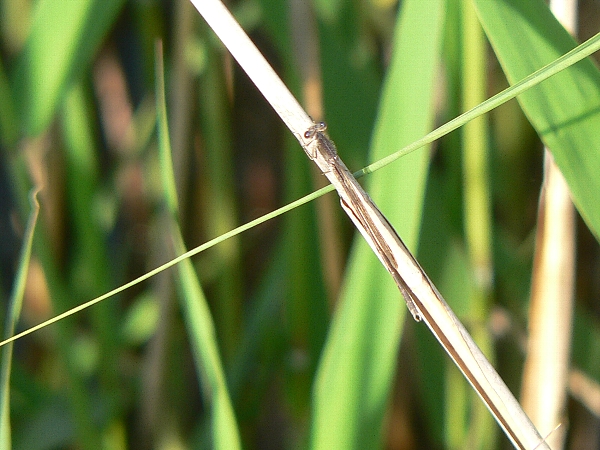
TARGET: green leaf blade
(565,109)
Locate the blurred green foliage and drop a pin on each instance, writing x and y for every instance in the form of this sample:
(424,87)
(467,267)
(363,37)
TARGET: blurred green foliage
(78,119)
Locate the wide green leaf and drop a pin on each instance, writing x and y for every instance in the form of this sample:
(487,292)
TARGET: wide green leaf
(564,109)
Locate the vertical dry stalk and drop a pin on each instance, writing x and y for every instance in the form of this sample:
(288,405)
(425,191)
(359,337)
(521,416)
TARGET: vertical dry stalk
(546,368)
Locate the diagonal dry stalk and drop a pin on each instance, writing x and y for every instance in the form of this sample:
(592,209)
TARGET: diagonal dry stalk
(422,297)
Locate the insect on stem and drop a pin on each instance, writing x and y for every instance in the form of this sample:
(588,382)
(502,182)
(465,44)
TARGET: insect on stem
(367,217)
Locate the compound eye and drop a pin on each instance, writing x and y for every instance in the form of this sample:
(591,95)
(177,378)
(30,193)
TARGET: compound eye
(309,133)
(321,126)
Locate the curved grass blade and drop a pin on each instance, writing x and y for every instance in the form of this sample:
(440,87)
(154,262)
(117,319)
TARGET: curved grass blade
(14,312)
(225,434)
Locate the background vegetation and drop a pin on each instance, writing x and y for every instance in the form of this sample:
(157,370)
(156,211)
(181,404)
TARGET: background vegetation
(305,336)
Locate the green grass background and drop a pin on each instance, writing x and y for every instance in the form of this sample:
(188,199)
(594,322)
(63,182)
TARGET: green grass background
(251,344)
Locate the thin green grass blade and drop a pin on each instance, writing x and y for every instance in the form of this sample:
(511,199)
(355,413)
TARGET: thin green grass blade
(224,430)
(14,312)
(60,45)
(355,375)
(188,254)
(565,110)
(479,426)
(576,55)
